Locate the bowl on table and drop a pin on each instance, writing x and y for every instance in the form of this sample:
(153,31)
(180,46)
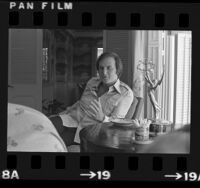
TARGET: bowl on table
(123,122)
(160,127)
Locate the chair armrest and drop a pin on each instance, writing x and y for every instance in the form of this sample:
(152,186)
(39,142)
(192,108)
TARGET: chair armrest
(138,109)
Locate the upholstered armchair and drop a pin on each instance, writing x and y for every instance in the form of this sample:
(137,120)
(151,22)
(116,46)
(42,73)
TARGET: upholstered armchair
(135,108)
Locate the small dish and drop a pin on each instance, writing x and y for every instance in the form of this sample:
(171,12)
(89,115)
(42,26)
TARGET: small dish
(123,122)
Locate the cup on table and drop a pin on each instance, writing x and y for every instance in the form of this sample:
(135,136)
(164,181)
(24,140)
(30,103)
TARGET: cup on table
(142,130)
(142,133)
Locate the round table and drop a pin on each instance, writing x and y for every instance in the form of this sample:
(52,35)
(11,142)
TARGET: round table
(110,137)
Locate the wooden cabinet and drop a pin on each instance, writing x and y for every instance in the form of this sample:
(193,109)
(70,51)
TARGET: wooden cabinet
(71,61)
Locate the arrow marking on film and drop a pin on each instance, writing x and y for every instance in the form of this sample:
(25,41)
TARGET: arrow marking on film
(177,176)
(91,175)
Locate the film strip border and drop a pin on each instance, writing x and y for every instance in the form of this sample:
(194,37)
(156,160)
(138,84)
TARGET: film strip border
(87,19)
(108,16)
(71,166)
(103,16)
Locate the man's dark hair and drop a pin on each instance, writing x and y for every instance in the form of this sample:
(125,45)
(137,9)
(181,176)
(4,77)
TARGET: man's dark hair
(118,62)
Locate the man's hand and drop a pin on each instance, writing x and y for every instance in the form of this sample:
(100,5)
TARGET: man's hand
(96,110)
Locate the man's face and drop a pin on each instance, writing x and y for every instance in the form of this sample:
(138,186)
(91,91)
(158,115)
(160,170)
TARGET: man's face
(107,70)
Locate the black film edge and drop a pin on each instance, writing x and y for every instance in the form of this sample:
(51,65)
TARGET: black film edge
(38,37)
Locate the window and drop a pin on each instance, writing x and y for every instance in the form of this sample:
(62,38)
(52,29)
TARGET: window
(183,79)
(45,64)
(99,51)
(175,92)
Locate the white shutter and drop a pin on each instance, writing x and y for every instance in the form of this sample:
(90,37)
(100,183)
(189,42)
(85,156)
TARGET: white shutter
(174,93)
(183,79)
(170,54)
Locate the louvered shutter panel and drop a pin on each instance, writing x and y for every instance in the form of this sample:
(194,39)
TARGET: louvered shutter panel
(183,77)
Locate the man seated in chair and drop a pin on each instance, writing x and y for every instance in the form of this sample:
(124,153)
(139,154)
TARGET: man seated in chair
(105,97)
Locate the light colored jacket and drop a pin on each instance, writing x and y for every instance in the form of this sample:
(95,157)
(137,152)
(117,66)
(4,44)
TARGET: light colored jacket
(115,104)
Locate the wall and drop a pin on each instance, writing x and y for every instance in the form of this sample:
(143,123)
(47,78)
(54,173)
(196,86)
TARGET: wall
(118,41)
